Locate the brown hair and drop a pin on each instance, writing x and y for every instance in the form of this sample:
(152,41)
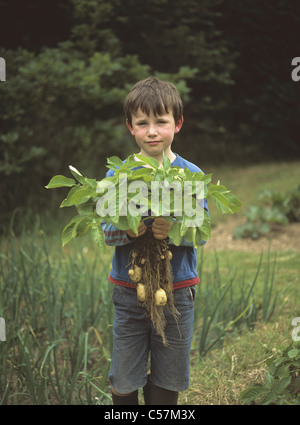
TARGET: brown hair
(154,95)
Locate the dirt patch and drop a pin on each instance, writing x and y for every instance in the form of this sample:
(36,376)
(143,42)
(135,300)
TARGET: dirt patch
(283,238)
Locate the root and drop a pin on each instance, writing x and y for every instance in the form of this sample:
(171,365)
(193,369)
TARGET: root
(151,267)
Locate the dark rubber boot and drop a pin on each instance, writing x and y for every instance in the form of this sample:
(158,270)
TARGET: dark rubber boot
(131,399)
(154,395)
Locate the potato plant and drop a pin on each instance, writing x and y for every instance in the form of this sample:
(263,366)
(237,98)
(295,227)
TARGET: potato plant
(126,198)
(282,379)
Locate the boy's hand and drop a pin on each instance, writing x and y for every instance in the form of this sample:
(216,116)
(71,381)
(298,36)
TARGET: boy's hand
(160,228)
(141,230)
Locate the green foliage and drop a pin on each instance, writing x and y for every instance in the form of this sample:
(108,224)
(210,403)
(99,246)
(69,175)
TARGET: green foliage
(87,193)
(277,209)
(282,384)
(58,301)
(258,222)
(59,107)
(288,204)
(62,103)
(59,313)
(226,303)
(222,306)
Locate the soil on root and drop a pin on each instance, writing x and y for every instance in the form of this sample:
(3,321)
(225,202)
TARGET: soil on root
(151,263)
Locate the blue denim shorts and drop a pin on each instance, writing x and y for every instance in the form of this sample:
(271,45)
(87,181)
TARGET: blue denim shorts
(135,342)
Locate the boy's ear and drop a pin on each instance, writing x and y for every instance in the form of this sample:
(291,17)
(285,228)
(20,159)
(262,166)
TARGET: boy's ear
(178,125)
(129,127)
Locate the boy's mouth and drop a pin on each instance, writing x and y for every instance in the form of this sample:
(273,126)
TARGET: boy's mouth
(153,142)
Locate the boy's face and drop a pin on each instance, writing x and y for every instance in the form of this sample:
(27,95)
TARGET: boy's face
(154,134)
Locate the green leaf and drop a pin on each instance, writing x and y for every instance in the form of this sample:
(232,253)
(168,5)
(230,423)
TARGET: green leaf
(86,194)
(68,234)
(188,174)
(159,175)
(224,200)
(78,176)
(84,225)
(220,199)
(130,163)
(272,366)
(134,222)
(253,392)
(293,353)
(114,160)
(82,195)
(206,178)
(70,230)
(270,397)
(148,160)
(183,227)
(98,237)
(194,233)
(234,203)
(142,173)
(283,384)
(60,181)
(269,380)
(66,201)
(78,226)
(123,223)
(85,209)
(91,182)
(113,167)
(283,371)
(174,233)
(166,163)
(206,228)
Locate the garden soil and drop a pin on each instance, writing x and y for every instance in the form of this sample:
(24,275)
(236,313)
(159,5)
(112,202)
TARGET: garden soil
(282,238)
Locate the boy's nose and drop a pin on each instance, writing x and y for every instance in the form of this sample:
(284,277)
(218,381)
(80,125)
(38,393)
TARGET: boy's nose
(152,129)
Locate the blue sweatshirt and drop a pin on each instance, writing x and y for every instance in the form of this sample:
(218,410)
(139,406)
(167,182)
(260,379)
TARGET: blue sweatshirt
(184,260)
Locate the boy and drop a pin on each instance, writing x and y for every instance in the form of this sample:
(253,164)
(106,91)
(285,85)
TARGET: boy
(154,114)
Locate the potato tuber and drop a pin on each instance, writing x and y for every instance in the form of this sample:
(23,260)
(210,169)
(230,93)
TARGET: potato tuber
(135,274)
(160,297)
(169,255)
(151,271)
(141,293)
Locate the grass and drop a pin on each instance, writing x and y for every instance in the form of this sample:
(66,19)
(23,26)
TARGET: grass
(224,372)
(58,310)
(220,376)
(247,182)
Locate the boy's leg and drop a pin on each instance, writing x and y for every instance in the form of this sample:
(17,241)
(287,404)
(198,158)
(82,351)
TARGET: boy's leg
(154,395)
(124,399)
(130,346)
(170,365)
